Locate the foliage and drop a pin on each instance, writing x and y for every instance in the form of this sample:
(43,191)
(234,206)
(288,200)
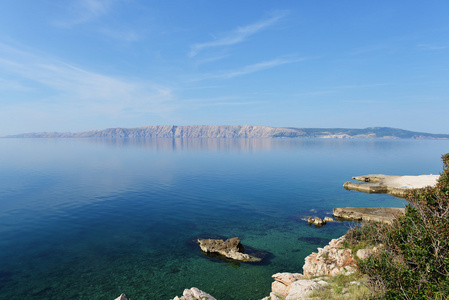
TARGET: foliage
(414,262)
(343,287)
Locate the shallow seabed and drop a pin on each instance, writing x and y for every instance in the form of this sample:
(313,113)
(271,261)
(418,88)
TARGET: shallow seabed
(93,218)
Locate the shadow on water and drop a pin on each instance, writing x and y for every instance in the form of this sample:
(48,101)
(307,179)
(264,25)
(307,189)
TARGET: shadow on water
(312,240)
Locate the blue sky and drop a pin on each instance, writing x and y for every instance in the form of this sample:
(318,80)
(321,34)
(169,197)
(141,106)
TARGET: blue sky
(76,65)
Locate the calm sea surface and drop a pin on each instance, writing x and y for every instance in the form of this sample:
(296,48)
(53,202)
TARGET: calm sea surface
(94,218)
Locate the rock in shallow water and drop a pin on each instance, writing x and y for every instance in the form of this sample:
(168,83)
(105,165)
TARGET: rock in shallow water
(194,294)
(230,248)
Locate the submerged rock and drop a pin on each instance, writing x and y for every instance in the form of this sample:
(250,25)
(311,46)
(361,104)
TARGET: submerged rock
(194,294)
(230,248)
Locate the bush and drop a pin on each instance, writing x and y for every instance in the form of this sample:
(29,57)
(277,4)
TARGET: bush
(414,262)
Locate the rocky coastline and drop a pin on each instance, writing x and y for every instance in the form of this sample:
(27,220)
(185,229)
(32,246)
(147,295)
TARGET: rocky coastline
(397,186)
(332,260)
(368,214)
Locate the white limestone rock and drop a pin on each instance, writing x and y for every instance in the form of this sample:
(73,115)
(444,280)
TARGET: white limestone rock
(230,248)
(194,294)
(302,288)
(330,261)
(364,253)
(121,297)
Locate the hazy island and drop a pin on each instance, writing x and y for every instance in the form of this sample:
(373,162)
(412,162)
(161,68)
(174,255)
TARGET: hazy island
(238,131)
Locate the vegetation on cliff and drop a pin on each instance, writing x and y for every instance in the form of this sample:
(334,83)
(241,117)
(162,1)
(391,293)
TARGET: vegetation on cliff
(414,260)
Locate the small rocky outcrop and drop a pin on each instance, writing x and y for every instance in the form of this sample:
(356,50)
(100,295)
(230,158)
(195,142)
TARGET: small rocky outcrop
(293,286)
(230,248)
(330,261)
(376,214)
(317,221)
(194,294)
(121,297)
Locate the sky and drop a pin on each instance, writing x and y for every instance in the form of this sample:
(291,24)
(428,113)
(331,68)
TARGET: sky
(77,65)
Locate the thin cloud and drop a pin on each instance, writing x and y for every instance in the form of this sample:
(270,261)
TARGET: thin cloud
(85,11)
(339,88)
(254,68)
(72,86)
(6,84)
(360,86)
(238,35)
(432,47)
(365,101)
(370,49)
(221,101)
(122,35)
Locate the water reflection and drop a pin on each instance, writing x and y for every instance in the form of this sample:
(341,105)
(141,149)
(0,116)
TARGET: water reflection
(246,145)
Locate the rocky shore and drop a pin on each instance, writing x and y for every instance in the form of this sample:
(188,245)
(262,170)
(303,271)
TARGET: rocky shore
(333,259)
(365,214)
(327,262)
(397,186)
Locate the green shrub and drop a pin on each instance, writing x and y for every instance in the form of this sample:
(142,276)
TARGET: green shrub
(414,262)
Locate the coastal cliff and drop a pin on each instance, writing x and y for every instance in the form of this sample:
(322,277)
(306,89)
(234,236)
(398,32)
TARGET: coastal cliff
(237,131)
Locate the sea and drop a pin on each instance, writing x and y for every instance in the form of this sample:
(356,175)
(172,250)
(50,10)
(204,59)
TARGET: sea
(94,218)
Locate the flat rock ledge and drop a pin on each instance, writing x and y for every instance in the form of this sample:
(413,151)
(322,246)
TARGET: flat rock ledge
(230,248)
(397,186)
(365,214)
(328,261)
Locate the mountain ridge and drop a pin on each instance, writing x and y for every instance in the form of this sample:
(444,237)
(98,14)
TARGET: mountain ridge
(237,131)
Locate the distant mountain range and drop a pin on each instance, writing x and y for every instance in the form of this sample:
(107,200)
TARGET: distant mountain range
(238,131)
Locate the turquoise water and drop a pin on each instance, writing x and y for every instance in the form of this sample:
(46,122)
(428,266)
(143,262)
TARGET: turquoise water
(94,218)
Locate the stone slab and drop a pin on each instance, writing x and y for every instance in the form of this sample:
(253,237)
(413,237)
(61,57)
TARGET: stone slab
(376,214)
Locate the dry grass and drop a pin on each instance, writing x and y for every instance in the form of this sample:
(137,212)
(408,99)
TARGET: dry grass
(344,287)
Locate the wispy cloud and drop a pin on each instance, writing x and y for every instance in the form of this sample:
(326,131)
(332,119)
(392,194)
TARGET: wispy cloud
(238,35)
(360,101)
(83,11)
(220,101)
(253,68)
(340,88)
(359,86)
(71,86)
(87,11)
(370,49)
(6,84)
(122,35)
(432,47)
